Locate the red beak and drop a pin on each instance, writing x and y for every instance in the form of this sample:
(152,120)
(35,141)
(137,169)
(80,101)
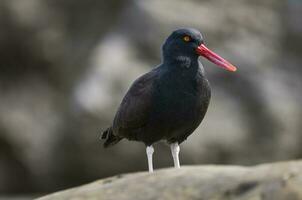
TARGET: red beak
(216,59)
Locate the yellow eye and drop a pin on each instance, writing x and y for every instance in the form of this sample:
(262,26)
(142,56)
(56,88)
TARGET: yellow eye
(187,38)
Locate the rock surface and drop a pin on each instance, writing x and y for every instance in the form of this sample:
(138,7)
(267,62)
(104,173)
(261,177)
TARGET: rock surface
(277,181)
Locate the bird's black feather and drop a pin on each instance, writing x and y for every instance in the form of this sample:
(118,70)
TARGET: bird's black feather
(167,103)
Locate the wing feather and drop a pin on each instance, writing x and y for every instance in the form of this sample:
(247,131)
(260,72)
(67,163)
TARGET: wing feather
(135,107)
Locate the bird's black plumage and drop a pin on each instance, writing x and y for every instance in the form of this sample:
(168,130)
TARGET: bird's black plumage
(167,103)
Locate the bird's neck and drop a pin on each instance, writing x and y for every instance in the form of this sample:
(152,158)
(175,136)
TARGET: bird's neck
(182,64)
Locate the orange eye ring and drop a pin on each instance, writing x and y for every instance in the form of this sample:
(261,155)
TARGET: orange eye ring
(187,38)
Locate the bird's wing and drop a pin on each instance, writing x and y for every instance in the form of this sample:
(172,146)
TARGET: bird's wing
(135,107)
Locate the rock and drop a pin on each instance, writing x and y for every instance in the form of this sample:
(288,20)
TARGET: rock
(277,181)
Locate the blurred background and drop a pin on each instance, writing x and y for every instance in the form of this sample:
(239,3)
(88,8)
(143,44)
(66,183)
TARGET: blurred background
(65,65)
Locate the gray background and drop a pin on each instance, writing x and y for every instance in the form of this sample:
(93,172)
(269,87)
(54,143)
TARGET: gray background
(65,65)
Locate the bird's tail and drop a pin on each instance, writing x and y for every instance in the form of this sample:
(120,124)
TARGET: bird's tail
(109,138)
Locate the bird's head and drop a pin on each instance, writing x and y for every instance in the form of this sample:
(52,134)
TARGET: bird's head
(189,43)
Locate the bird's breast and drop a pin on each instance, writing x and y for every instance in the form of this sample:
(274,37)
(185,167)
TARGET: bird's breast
(179,99)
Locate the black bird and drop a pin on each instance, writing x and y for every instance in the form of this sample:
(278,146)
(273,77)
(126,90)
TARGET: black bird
(169,102)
